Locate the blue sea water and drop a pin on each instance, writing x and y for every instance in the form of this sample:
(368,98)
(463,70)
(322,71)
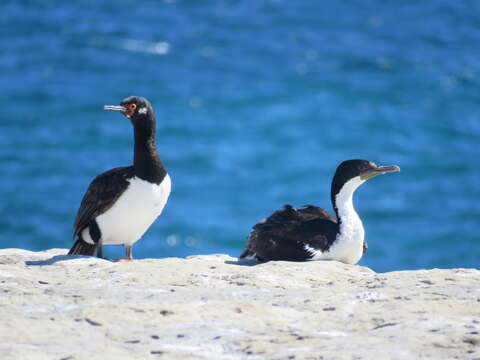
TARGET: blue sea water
(257,102)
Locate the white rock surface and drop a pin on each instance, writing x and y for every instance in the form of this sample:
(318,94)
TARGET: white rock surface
(54,306)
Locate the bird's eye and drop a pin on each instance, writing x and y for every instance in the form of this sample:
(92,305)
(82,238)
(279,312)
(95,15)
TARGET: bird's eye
(132,106)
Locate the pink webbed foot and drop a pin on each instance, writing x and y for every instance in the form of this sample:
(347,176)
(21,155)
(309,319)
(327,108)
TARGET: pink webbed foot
(128,255)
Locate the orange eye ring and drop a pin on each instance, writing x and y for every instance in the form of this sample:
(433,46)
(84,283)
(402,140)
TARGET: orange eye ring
(132,107)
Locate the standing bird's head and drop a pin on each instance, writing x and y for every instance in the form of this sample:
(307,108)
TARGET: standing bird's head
(137,109)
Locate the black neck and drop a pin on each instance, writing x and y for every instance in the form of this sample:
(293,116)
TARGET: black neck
(146,161)
(346,190)
(333,197)
(339,218)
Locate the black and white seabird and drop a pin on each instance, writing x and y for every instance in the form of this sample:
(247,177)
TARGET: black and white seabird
(311,233)
(121,204)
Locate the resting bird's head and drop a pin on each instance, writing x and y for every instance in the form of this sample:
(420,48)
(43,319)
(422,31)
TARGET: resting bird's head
(351,174)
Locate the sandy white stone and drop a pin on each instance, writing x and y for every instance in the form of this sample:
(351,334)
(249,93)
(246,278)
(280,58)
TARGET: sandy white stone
(214,307)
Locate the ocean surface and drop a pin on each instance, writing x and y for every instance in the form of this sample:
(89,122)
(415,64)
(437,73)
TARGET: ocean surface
(257,102)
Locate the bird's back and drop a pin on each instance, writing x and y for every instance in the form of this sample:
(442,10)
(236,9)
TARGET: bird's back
(101,194)
(289,234)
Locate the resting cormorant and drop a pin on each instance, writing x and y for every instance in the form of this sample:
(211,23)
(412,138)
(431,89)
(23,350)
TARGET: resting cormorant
(311,233)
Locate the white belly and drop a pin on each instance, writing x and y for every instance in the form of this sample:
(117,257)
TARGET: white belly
(348,245)
(133,213)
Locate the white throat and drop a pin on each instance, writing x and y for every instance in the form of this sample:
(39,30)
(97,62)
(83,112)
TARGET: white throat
(348,246)
(344,199)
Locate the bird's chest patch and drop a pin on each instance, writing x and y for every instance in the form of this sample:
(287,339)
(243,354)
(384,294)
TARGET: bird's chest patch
(134,211)
(348,245)
(143,196)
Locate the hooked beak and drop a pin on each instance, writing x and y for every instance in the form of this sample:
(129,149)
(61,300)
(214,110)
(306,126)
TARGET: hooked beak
(379,170)
(120,108)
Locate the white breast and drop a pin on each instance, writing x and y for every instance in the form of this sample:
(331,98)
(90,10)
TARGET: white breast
(348,245)
(133,213)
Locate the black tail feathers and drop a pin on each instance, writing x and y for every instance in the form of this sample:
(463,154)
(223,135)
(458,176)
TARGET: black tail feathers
(247,253)
(82,248)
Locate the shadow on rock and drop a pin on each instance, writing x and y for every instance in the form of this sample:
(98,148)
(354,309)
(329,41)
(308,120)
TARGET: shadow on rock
(244,262)
(58,258)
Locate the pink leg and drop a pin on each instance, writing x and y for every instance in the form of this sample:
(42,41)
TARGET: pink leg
(128,254)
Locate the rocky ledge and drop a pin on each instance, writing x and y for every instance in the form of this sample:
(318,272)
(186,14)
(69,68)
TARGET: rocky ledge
(55,306)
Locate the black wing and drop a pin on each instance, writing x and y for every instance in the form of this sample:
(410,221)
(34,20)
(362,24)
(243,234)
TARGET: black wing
(284,234)
(310,212)
(101,194)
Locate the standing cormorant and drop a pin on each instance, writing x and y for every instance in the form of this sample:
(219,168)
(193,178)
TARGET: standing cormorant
(121,204)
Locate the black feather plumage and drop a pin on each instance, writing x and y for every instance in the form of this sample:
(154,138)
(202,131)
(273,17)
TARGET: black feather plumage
(284,234)
(101,194)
